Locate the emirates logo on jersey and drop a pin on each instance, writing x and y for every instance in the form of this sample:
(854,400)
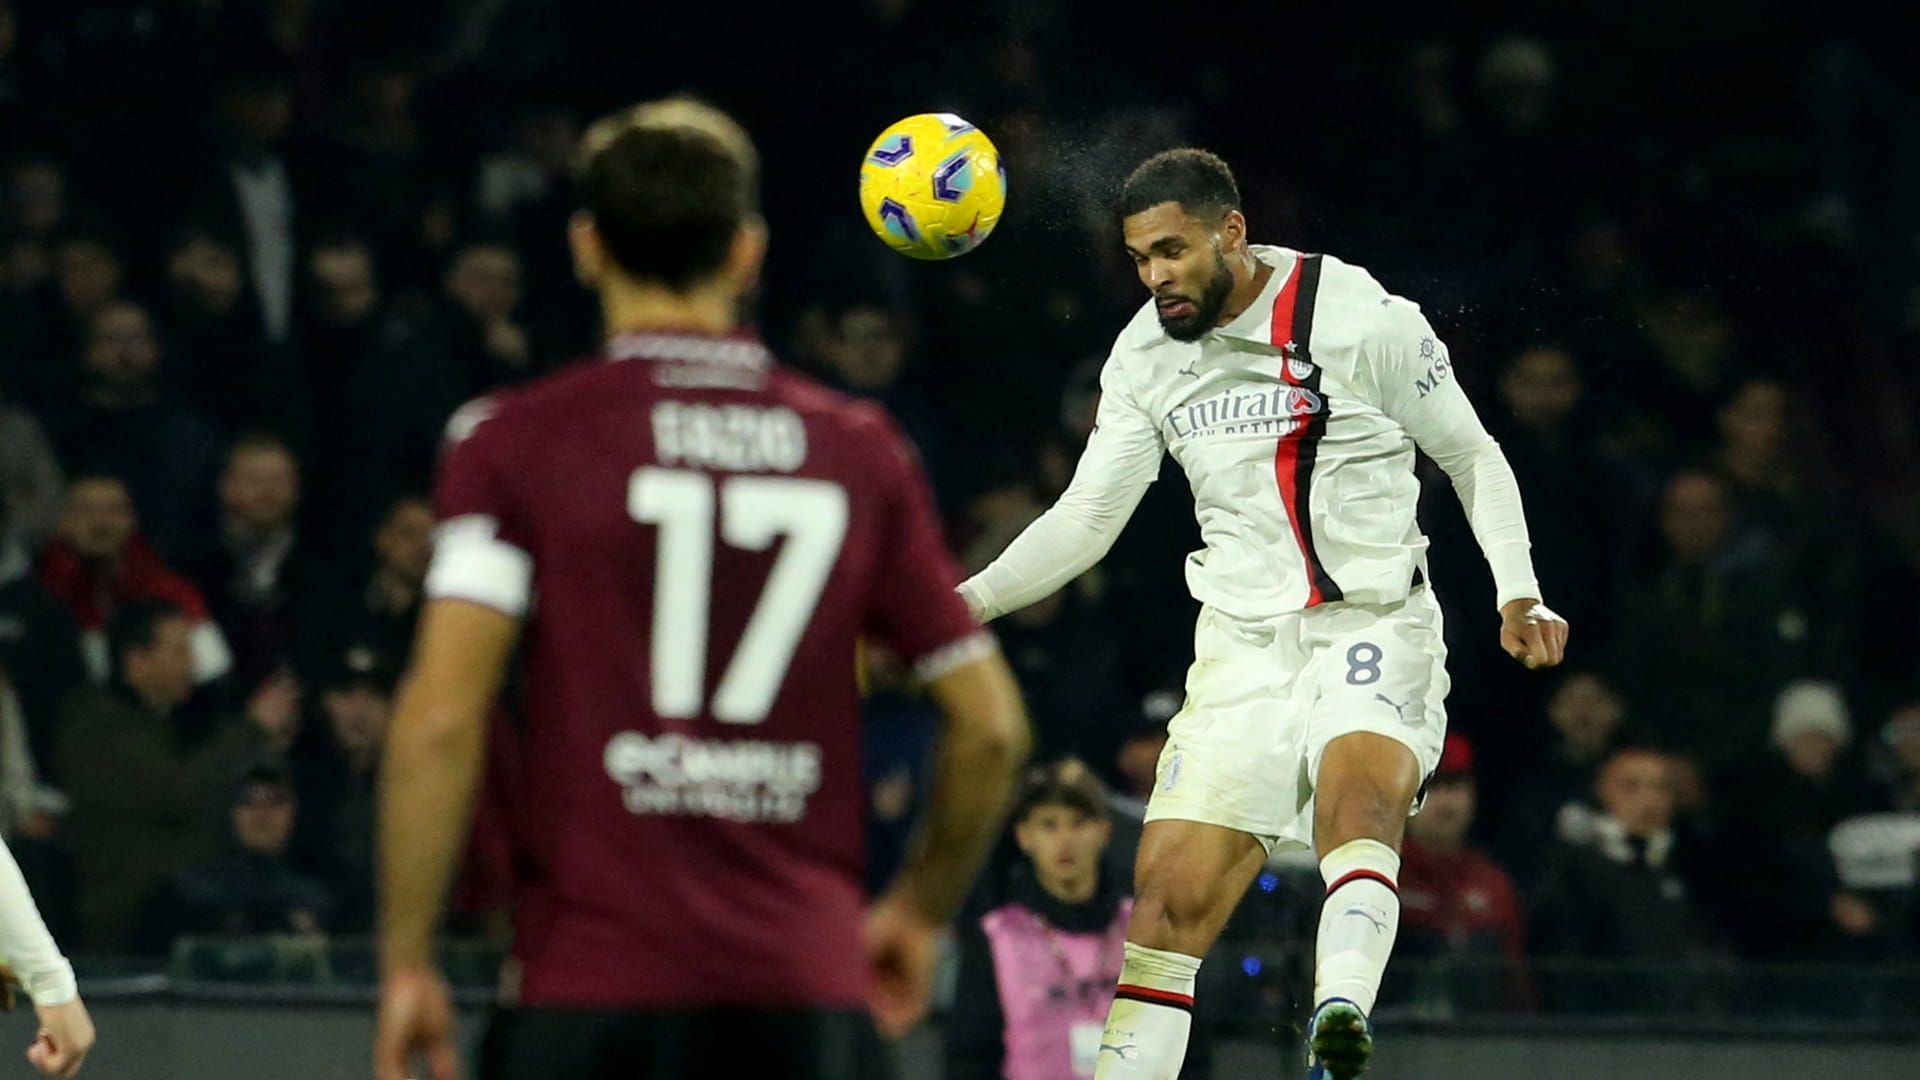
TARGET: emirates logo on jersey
(1244,410)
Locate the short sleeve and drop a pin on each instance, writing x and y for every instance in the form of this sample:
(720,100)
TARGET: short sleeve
(481,552)
(915,610)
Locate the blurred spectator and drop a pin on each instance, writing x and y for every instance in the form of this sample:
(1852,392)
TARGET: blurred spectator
(126,426)
(31,480)
(36,209)
(87,276)
(897,733)
(256,573)
(1067,662)
(1899,768)
(218,361)
(396,407)
(1778,812)
(1877,855)
(39,643)
(1710,629)
(1763,457)
(1138,761)
(1461,921)
(378,612)
(50,323)
(866,354)
(336,785)
(1572,495)
(525,192)
(1554,800)
(99,562)
(253,889)
(486,344)
(250,183)
(379,173)
(1621,893)
(1036,973)
(147,781)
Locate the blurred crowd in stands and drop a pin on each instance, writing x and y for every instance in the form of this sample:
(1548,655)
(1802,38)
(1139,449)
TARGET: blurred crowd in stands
(253,254)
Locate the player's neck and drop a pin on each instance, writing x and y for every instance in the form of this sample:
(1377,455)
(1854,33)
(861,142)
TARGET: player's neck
(1246,289)
(629,308)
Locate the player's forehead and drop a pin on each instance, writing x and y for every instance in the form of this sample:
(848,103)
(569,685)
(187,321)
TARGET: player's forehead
(1162,225)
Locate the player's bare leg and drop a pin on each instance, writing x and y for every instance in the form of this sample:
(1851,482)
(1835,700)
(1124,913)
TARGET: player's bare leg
(1366,785)
(1188,878)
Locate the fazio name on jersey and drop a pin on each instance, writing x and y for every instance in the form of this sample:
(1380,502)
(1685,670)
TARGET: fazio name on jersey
(733,438)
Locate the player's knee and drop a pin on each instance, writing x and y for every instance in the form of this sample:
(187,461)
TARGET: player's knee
(1360,810)
(1169,909)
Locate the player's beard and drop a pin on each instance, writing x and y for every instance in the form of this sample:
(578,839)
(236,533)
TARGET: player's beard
(1206,308)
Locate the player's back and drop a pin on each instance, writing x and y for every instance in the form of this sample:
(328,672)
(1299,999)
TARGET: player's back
(708,537)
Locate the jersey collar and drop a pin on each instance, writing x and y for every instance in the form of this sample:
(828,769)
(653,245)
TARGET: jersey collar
(739,348)
(1255,323)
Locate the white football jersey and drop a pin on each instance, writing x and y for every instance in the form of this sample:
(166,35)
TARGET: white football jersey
(1296,424)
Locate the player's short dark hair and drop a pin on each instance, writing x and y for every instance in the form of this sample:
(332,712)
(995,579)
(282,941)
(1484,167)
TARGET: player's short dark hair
(1067,782)
(136,625)
(669,183)
(1197,179)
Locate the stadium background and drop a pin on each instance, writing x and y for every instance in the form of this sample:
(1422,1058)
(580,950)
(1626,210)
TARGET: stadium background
(1675,249)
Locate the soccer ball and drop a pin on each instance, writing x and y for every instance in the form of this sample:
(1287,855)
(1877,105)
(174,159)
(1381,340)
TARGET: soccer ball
(932,186)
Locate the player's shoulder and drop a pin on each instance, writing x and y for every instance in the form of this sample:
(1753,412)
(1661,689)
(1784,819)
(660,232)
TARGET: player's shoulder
(824,407)
(1140,342)
(1352,307)
(503,412)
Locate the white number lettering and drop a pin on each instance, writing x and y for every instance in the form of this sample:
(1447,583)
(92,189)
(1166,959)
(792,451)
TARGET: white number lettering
(754,512)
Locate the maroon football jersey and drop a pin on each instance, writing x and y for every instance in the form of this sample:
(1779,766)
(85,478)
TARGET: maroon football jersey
(696,539)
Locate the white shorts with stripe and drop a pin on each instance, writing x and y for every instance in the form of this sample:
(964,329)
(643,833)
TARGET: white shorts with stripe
(1265,698)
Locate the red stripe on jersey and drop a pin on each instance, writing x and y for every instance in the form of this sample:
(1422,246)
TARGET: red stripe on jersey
(1293,458)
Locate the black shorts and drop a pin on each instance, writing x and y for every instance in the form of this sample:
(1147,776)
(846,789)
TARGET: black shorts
(671,1044)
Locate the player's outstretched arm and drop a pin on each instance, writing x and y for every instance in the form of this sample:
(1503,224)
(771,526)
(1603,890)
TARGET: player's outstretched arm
(1121,458)
(983,740)
(1416,387)
(435,752)
(28,954)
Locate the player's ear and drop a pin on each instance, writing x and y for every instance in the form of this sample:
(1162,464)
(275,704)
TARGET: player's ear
(748,253)
(589,255)
(1233,231)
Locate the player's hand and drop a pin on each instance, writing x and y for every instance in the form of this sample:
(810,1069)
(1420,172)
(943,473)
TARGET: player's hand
(66,1034)
(415,1018)
(901,950)
(1531,633)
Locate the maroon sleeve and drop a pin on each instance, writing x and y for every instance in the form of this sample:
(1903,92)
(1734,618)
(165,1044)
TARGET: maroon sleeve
(471,481)
(915,610)
(483,549)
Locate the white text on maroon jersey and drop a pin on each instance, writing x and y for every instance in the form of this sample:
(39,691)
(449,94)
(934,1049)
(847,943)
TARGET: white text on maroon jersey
(732,779)
(735,438)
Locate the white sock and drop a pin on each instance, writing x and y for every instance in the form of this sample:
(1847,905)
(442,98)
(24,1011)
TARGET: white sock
(1358,920)
(1152,1014)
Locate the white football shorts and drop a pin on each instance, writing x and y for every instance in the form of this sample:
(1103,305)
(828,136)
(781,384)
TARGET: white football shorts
(1265,698)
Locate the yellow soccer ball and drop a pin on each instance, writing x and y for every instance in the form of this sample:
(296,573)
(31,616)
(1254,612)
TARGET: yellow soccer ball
(932,186)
